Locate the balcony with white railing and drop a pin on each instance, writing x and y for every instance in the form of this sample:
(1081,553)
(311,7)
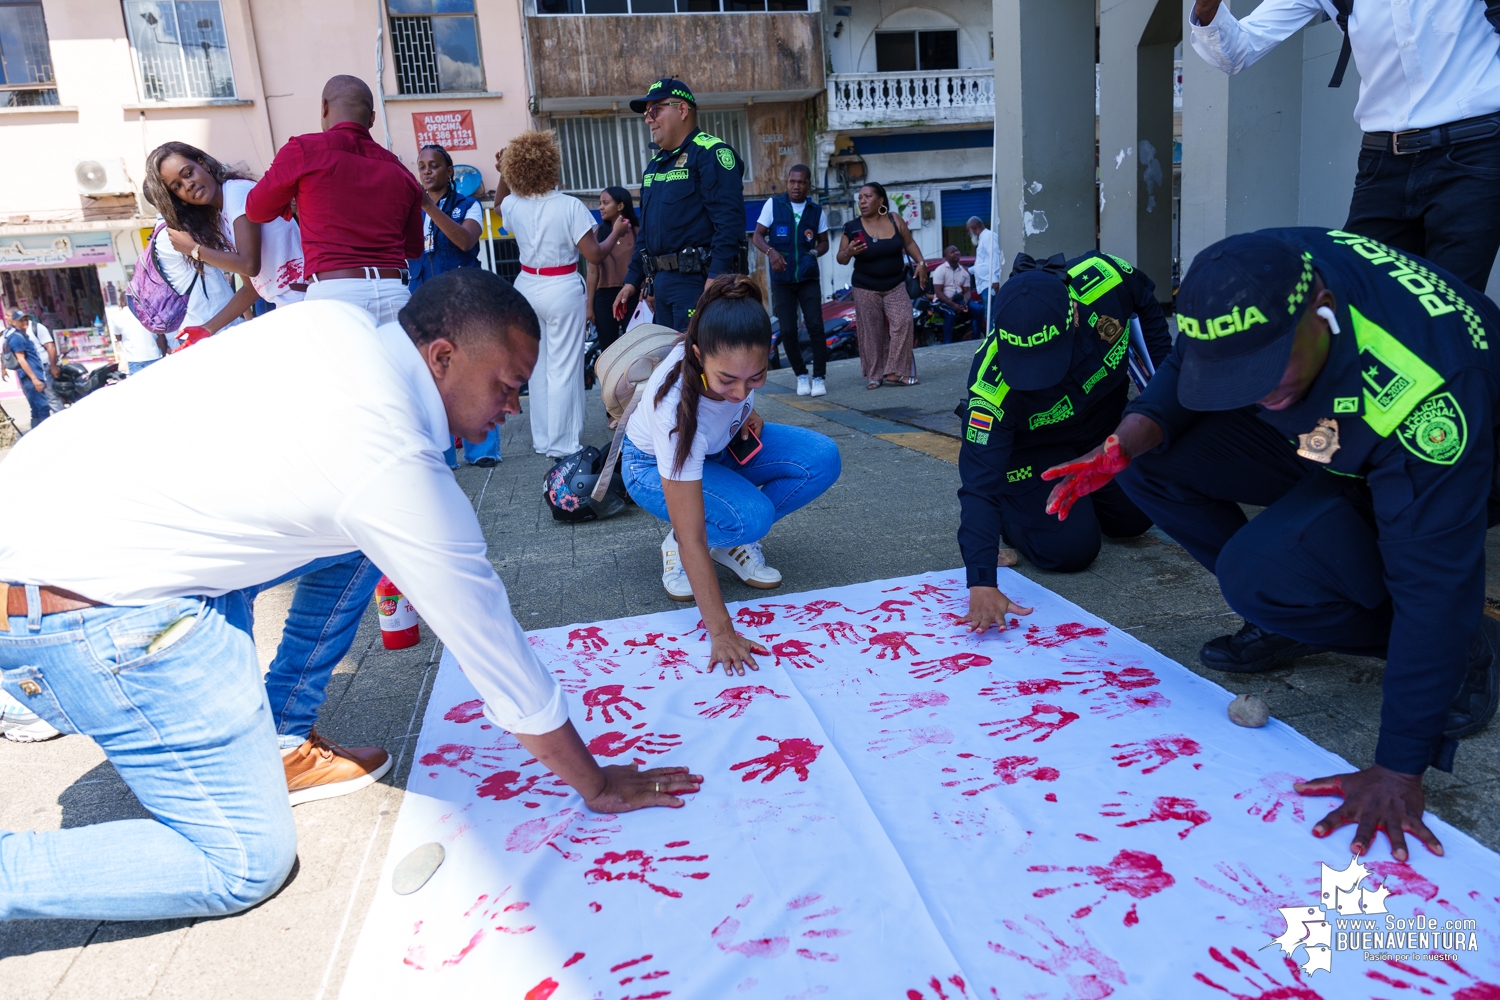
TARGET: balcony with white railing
(901,100)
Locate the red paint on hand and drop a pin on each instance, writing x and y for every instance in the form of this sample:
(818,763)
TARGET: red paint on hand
(1083,477)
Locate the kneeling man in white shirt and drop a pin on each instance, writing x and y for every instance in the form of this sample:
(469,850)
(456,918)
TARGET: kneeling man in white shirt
(142,642)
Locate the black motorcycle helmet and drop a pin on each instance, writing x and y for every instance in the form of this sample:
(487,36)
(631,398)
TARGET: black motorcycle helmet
(570,482)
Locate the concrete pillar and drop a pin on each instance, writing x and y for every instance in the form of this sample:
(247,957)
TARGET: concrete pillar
(1241,142)
(1136,42)
(1044,126)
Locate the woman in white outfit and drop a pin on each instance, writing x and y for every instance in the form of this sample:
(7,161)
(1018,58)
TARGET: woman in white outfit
(551,229)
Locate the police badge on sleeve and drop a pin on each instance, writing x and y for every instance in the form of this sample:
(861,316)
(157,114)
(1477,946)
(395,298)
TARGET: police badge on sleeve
(1436,430)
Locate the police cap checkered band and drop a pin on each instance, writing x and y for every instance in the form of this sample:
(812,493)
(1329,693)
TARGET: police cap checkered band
(665,89)
(1237,312)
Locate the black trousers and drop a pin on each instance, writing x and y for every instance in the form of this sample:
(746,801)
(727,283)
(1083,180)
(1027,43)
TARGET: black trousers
(786,299)
(676,297)
(1307,567)
(604,315)
(1443,204)
(1062,546)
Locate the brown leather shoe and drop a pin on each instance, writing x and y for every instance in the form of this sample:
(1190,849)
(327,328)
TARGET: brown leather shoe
(319,769)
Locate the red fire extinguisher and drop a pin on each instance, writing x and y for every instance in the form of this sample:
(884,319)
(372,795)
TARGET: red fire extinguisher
(398,619)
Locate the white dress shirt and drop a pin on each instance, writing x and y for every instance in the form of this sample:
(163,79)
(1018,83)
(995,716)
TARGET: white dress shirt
(987,260)
(308,465)
(1421,62)
(547,227)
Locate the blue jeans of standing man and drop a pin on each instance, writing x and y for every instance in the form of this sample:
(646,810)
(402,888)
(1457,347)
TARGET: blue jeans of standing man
(794,467)
(36,399)
(331,598)
(190,731)
(970,313)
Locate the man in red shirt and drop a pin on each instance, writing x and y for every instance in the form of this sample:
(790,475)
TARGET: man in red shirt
(360,209)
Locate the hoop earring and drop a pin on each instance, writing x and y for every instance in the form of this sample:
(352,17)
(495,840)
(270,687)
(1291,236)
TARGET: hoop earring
(884,210)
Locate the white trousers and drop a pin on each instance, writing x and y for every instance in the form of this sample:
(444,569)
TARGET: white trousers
(380,297)
(556,389)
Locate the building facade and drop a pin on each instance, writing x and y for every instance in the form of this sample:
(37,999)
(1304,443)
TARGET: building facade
(92,86)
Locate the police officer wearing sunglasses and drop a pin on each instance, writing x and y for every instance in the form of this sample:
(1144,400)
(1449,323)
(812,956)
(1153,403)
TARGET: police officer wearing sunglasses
(692,207)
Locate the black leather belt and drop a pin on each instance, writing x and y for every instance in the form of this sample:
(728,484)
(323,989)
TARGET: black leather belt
(1420,140)
(690,260)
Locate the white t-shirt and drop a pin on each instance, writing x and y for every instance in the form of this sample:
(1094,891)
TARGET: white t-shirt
(475,212)
(280,247)
(547,227)
(184,528)
(212,292)
(41,337)
(767,216)
(136,342)
(653,429)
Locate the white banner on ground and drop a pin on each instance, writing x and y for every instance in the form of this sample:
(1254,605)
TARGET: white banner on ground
(893,807)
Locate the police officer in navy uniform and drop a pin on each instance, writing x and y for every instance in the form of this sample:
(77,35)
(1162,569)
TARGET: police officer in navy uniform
(1353,391)
(1048,383)
(692,207)
(793,233)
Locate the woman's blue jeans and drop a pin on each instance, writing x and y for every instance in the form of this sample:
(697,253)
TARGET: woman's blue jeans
(794,467)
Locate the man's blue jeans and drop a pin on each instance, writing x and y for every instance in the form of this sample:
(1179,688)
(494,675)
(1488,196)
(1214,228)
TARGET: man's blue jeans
(971,312)
(35,398)
(188,728)
(794,467)
(331,598)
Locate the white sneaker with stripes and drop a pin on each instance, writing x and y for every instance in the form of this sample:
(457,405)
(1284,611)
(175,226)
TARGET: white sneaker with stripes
(673,577)
(749,564)
(20,724)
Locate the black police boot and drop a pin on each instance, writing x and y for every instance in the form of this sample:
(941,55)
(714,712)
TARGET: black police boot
(1251,650)
(1475,705)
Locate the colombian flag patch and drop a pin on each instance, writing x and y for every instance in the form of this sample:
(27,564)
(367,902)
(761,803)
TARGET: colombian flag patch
(981,421)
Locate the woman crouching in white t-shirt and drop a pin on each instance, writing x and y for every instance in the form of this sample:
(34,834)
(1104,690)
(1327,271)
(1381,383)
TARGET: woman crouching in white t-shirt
(680,461)
(203,203)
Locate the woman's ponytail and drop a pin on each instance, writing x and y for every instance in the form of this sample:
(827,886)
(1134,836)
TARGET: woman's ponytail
(730,314)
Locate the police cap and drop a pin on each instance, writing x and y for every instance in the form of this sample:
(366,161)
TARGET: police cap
(662,90)
(1237,312)
(1030,320)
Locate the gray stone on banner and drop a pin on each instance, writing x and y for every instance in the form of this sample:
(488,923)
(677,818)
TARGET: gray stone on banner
(413,871)
(1249,710)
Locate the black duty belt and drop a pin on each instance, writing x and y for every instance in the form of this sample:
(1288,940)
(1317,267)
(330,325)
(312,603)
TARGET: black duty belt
(689,260)
(1420,140)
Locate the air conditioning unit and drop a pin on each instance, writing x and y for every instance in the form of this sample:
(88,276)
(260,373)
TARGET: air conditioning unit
(103,176)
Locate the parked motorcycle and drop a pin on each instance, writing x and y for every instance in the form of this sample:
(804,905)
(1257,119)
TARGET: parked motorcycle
(74,381)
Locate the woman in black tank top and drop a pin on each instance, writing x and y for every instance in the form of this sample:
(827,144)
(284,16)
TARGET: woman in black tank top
(878,243)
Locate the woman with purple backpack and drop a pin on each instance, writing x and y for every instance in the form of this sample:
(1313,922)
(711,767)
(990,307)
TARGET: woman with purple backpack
(203,204)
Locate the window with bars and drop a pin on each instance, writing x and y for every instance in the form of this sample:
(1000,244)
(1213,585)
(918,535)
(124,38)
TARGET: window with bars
(180,49)
(25,58)
(436,43)
(600,151)
(665,6)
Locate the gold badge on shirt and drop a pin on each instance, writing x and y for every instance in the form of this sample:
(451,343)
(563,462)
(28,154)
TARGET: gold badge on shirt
(1110,329)
(681,161)
(1321,442)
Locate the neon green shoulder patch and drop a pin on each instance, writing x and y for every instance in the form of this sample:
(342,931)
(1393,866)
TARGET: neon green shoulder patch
(1091,278)
(707,141)
(1436,431)
(1395,379)
(989,385)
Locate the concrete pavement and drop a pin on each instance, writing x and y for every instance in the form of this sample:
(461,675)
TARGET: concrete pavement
(892,513)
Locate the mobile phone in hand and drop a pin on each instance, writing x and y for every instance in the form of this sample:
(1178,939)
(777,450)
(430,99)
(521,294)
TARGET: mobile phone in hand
(744,449)
(858,240)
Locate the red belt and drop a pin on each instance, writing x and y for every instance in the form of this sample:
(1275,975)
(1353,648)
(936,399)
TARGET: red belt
(549,272)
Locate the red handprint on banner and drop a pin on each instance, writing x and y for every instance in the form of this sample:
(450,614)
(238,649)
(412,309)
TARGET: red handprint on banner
(607,697)
(899,704)
(588,637)
(1040,723)
(796,652)
(889,645)
(794,754)
(941,669)
(841,632)
(613,744)
(888,611)
(1162,749)
(734,700)
(753,618)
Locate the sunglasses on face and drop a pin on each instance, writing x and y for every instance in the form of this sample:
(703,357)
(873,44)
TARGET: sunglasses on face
(656,109)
